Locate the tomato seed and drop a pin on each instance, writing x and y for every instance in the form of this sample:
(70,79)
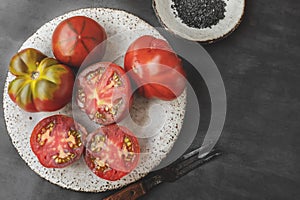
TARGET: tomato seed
(98,115)
(126,139)
(101,70)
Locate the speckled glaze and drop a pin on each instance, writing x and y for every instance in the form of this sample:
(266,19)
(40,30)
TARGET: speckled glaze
(78,176)
(233,16)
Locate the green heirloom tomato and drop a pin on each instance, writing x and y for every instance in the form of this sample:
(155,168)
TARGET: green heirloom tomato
(41,83)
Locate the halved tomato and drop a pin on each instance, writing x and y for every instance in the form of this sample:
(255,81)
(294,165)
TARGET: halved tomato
(104,92)
(57,141)
(112,152)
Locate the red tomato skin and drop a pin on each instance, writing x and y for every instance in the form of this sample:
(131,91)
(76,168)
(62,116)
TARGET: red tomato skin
(62,125)
(58,100)
(62,96)
(114,134)
(155,68)
(29,107)
(91,106)
(75,38)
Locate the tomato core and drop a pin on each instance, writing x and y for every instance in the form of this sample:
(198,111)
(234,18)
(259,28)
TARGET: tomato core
(35,75)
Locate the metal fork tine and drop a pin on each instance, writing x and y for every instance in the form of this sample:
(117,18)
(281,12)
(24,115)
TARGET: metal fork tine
(188,161)
(192,157)
(190,154)
(194,162)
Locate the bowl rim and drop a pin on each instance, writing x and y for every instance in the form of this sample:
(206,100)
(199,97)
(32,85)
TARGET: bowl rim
(209,41)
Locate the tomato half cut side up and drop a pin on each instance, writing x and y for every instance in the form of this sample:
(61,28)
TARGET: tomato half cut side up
(103,92)
(112,152)
(57,141)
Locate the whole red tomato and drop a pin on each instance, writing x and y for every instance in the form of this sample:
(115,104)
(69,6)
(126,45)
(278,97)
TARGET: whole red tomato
(74,39)
(112,152)
(156,69)
(57,141)
(41,83)
(103,92)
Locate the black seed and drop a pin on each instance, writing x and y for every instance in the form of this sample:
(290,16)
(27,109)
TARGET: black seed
(199,13)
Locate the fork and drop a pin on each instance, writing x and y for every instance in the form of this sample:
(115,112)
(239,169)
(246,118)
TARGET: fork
(171,173)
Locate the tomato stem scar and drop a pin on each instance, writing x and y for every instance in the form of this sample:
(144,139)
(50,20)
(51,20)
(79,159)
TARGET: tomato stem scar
(35,75)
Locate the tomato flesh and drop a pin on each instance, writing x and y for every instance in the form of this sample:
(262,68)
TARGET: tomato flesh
(57,141)
(104,92)
(155,68)
(112,152)
(75,38)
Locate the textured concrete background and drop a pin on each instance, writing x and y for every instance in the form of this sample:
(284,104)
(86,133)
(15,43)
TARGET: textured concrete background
(259,63)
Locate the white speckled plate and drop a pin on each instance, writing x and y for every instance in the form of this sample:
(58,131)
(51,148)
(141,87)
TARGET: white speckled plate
(233,16)
(77,176)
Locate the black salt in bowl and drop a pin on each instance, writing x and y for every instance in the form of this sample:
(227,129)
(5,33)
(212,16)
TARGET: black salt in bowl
(200,20)
(199,13)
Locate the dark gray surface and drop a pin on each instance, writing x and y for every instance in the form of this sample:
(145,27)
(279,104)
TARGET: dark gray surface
(260,66)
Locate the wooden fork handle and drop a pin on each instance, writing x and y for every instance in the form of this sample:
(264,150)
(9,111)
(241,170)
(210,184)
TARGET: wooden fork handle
(131,192)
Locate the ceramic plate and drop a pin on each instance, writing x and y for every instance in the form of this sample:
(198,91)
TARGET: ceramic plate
(234,11)
(153,148)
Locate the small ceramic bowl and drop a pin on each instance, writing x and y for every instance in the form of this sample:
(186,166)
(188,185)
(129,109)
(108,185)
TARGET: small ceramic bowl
(167,16)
